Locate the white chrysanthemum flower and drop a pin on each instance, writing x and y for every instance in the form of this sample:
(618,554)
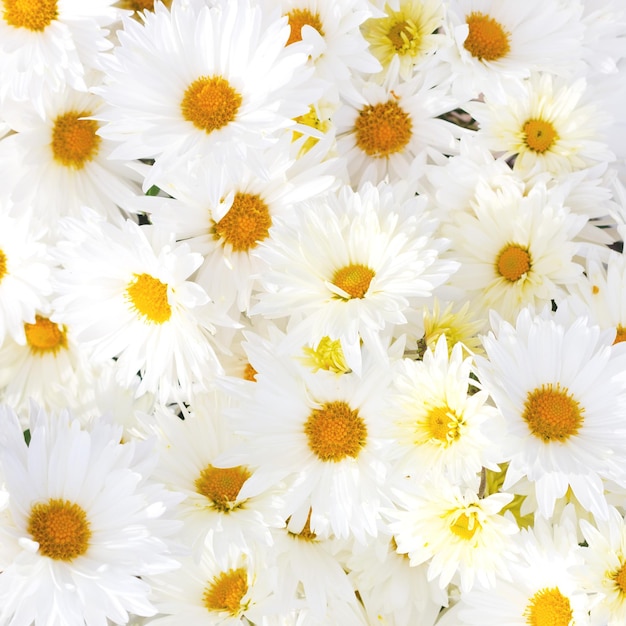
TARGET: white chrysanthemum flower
(461,536)
(24,275)
(59,163)
(84,520)
(392,591)
(204,80)
(51,368)
(319,436)
(207,593)
(409,29)
(543,589)
(225,215)
(213,514)
(548,124)
(497,43)
(604,571)
(560,387)
(48,44)
(352,264)
(330,31)
(393,124)
(436,425)
(125,291)
(514,249)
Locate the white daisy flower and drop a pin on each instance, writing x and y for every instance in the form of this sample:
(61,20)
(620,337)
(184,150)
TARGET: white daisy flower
(51,368)
(604,571)
(213,513)
(204,79)
(543,589)
(48,44)
(394,123)
(85,522)
(352,264)
(319,436)
(59,163)
(207,593)
(24,275)
(514,249)
(560,387)
(435,422)
(548,124)
(497,44)
(461,536)
(125,292)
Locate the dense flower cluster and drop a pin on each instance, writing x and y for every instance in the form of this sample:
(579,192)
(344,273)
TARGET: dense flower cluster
(312,312)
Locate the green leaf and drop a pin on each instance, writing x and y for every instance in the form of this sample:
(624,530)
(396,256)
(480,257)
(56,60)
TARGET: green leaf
(153,191)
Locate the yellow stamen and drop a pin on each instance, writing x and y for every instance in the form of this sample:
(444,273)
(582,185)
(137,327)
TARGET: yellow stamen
(35,15)
(539,135)
(443,425)
(549,607)
(148,295)
(247,222)
(210,103)
(383,129)
(44,336)
(465,526)
(335,431)
(299,18)
(221,486)
(487,39)
(226,592)
(354,279)
(619,577)
(513,262)
(327,356)
(552,413)
(61,529)
(74,139)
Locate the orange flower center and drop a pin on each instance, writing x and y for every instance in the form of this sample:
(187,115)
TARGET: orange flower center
(513,262)
(539,135)
(299,18)
(383,129)
(35,15)
(549,607)
(210,103)
(487,40)
(221,485)
(247,222)
(226,591)
(354,279)
(148,295)
(74,139)
(44,336)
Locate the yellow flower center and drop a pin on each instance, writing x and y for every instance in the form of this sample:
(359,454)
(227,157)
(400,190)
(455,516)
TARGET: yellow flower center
(404,36)
(335,431)
(619,577)
(35,15)
(443,425)
(61,529)
(311,119)
(383,129)
(299,18)
(74,140)
(247,222)
(148,295)
(327,356)
(513,262)
(3,265)
(210,103)
(226,591)
(465,526)
(549,607)
(44,336)
(354,279)
(552,414)
(306,534)
(221,485)
(138,5)
(249,373)
(620,334)
(487,40)
(539,135)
